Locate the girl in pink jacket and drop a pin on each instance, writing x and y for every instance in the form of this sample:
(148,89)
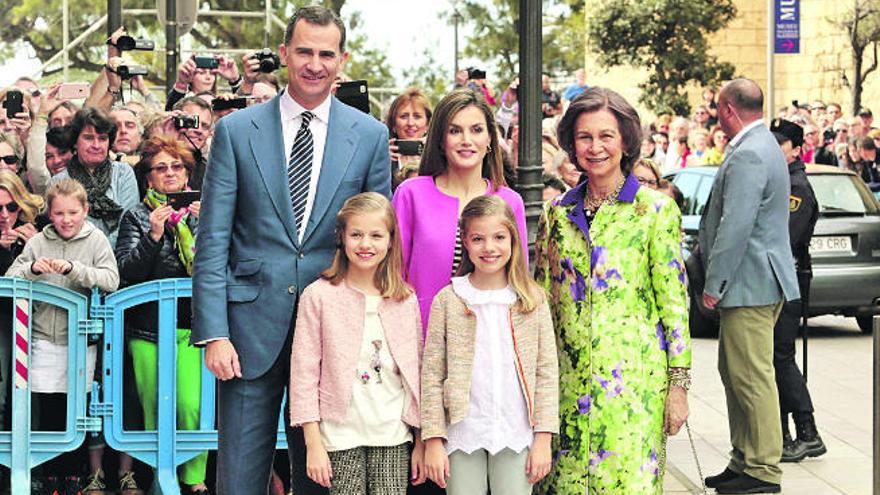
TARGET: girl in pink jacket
(354,375)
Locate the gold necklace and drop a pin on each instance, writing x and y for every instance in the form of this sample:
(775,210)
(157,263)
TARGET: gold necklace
(592,204)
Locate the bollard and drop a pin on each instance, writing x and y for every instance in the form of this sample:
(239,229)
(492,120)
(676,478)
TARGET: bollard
(876,405)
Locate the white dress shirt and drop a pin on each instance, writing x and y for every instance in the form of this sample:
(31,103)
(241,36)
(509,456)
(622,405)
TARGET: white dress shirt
(743,131)
(291,120)
(498,416)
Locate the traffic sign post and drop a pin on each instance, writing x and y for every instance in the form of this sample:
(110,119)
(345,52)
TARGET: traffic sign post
(787,35)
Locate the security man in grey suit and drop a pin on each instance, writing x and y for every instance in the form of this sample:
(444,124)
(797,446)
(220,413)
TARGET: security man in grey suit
(278,175)
(749,272)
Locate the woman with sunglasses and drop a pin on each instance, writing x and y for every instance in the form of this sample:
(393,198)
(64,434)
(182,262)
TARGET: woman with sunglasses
(18,223)
(10,152)
(157,241)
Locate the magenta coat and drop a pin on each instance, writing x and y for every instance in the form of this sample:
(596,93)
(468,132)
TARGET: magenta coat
(428,219)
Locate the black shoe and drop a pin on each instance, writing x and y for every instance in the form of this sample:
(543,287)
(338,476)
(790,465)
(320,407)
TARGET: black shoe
(725,476)
(792,450)
(809,436)
(744,483)
(813,447)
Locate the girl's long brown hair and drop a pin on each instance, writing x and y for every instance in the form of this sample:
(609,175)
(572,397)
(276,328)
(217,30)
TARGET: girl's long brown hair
(389,275)
(528,292)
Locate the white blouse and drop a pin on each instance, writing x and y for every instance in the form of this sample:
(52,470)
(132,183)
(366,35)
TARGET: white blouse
(498,416)
(378,397)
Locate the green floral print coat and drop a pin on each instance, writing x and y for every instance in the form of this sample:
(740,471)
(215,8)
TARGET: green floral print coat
(617,293)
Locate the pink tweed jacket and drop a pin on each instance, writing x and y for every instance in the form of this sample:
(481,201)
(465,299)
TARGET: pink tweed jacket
(326,344)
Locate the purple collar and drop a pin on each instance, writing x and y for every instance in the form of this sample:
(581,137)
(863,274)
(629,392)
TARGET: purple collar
(577,194)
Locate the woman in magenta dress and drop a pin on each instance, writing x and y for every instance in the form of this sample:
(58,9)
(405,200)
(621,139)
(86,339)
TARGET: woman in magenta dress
(462,160)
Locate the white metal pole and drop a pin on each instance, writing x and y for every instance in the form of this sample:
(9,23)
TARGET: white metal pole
(65,36)
(771,37)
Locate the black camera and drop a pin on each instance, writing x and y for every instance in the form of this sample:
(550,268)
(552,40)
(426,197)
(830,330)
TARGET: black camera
(232,103)
(409,147)
(474,73)
(828,136)
(127,43)
(206,62)
(126,71)
(269,62)
(186,122)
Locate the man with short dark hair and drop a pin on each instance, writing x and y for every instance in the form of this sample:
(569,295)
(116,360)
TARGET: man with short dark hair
(866,164)
(197,137)
(745,249)
(279,173)
(128,134)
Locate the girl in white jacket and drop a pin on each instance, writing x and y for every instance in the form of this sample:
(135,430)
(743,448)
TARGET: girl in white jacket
(71,253)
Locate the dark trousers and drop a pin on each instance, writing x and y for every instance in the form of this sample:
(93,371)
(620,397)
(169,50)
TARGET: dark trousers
(247,424)
(793,394)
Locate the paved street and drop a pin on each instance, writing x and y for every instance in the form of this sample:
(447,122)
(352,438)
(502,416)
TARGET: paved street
(840,380)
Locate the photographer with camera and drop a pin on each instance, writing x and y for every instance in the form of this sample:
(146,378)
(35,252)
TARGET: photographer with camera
(199,74)
(477,82)
(835,135)
(407,121)
(254,65)
(106,90)
(192,121)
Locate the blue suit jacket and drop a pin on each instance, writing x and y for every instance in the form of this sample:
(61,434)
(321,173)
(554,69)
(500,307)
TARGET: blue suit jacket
(250,268)
(744,228)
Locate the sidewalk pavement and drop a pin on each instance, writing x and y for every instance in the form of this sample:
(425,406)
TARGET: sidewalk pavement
(840,379)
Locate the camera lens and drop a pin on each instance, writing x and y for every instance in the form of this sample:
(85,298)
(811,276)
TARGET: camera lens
(125,43)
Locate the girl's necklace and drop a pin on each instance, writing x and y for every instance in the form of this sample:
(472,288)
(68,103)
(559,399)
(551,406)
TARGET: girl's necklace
(592,204)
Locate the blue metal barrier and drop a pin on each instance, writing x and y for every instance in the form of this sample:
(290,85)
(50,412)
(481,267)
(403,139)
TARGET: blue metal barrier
(22,449)
(165,448)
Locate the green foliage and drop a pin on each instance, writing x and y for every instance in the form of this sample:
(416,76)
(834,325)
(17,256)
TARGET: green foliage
(427,75)
(666,37)
(369,63)
(495,36)
(861,23)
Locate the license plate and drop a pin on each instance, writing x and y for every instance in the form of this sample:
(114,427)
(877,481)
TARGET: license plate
(831,244)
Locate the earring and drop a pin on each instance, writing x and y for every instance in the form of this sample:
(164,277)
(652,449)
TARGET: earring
(489,148)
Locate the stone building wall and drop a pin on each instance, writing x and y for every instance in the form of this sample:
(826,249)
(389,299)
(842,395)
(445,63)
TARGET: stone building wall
(815,73)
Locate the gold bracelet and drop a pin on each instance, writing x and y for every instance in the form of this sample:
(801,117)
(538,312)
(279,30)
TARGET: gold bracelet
(679,377)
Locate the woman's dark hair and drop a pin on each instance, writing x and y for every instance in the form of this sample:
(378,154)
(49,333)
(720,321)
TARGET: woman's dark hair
(91,116)
(593,100)
(60,138)
(161,144)
(434,158)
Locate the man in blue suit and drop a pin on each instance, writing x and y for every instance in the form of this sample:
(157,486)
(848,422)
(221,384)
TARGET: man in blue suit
(279,173)
(749,271)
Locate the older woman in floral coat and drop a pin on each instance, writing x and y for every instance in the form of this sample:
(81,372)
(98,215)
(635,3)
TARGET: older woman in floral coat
(608,255)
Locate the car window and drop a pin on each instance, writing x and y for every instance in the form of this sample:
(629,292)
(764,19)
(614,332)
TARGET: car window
(842,193)
(694,198)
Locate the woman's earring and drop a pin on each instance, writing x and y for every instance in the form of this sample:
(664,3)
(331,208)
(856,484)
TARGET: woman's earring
(489,149)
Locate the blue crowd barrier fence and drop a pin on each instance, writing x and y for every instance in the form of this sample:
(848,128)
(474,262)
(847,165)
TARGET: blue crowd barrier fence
(22,449)
(165,448)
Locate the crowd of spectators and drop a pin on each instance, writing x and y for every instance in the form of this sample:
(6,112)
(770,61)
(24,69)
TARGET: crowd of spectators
(129,156)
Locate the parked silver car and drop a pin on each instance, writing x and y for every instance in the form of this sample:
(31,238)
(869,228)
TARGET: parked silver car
(845,246)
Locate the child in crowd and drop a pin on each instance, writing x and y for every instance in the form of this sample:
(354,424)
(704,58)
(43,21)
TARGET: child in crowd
(74,254)
(490,374)
(354,374)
